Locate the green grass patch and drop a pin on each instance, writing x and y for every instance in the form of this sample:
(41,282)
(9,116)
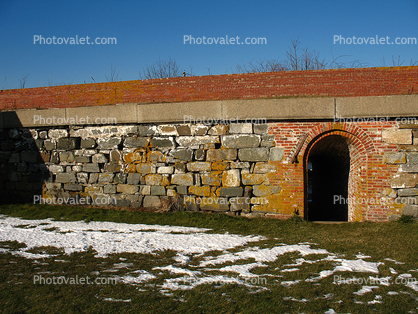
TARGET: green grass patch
(21,293)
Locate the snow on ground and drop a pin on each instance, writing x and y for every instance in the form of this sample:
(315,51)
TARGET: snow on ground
(190,243)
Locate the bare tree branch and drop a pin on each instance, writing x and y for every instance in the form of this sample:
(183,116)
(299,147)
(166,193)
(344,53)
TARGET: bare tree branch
(23,81)
(161,69)
(113,77)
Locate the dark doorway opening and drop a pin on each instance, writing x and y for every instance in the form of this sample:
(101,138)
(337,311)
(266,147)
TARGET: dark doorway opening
(328,168)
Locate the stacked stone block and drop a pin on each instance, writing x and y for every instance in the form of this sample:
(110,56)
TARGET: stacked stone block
(208,167)
(404,184)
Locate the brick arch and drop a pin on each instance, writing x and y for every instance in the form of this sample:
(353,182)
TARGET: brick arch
(360,147)
(349,130)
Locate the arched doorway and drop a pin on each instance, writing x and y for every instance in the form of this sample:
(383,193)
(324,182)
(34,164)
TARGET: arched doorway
(327,170)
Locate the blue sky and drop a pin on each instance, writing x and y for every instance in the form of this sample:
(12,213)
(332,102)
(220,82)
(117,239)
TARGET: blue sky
(148,30)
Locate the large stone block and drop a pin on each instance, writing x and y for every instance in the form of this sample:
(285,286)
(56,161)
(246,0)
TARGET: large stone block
(99,158)
(65,178)
(68,143)
(220,165)
(182,154)
(230,192)
(154,179)
(133,178)
(221,154)
(260,128)
(264,190)
(262,167)
(215,204)
(184,130)
(412,158)
(82,159)
(231,178)
(239,204)
(410,210)
(408,192)
(88,143)
(109,189)
(165,170)
(254,178)
(219,129)
(158,190)
(213,178)
(200,190)
(83,177)
(127,188)
(408,168)
(182,190)
(155,156)
(55,168)
(135,142)
(199,166)
(404,180)
(199,129)
(240,128)
(108,142)
(73,187)
(403,136)
(187,141)
(276,153)
(146,168)
(87,167)
(151,201)
(182,179)
(106,177)
(147,130)
(112,167)
(57,133)
(163,142)
(240,165)
(145,189)
(394,158)
(241,141)
(253,154)
(66,157)
(134,156)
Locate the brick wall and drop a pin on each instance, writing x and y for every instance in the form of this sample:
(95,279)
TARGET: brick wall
(337,83)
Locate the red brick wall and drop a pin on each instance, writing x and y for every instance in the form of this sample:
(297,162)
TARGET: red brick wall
(369,175)
(342,82)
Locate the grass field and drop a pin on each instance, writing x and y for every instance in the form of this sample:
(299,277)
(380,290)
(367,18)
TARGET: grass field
(239,265)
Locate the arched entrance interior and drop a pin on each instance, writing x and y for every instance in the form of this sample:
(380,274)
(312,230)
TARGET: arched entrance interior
(327,166)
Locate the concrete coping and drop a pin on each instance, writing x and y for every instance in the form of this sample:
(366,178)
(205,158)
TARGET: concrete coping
(218,111)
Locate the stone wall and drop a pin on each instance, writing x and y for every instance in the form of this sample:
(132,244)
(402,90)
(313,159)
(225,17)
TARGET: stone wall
(404,184)
(240,168)
(216,168)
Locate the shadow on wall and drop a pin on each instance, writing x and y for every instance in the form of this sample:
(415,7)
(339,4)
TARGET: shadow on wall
(22,162)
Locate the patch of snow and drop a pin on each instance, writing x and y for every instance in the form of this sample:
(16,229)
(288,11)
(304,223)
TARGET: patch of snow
(116,300)
(262,255)
(143,276)
(294,299)
(361,255)
(120,237)
(242,270)
(392,260)
(177,270)
(366,289)
(289,270)
(289,283)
